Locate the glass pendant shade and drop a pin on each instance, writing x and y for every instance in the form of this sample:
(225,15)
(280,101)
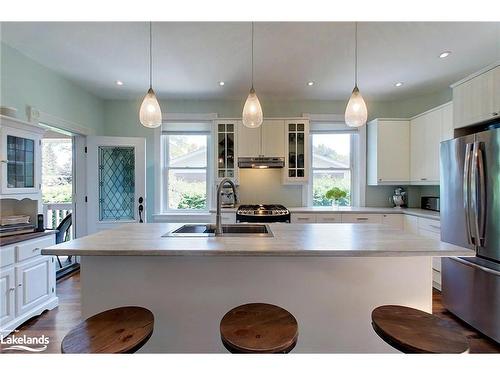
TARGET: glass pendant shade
(252,111)
(150,112)
(356,113)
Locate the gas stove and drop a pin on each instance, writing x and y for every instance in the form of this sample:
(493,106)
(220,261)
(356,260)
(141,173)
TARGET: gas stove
(264,213)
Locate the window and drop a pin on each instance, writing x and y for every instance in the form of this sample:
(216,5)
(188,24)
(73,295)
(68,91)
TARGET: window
(332,165)
(186,171)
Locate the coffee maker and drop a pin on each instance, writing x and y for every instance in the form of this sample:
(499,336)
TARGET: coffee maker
(399,198)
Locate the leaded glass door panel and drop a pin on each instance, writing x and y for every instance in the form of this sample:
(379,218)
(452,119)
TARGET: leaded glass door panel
(116,182)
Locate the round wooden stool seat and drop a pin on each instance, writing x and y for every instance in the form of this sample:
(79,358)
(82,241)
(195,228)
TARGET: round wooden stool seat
(121,330)
(259,328)
(414,331)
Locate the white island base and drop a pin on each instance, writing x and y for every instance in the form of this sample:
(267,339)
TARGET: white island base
(331,297)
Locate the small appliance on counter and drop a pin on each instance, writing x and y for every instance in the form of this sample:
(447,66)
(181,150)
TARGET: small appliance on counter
(429,203)
(227,198)
(14,225)
(399,198)
(262,213)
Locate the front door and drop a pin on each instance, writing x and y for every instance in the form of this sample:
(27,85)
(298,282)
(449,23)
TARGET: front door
(116,182)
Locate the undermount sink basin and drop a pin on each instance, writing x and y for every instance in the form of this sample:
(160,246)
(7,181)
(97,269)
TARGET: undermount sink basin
(229,230)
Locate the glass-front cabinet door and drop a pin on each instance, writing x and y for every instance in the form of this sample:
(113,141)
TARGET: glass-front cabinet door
(226,150)
(20,156)
(296,136)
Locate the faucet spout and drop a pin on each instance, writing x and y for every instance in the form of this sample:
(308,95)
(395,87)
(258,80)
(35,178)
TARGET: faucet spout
(218,217)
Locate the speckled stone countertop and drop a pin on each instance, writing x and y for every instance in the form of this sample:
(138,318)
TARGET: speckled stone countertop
(332,240)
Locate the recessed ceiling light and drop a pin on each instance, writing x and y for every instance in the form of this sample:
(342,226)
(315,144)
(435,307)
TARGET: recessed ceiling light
(444,54)
(119,83)
(398,84)
(310,83)
(222,83)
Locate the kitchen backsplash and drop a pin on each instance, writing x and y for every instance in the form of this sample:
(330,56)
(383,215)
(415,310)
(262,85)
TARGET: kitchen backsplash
(264,186)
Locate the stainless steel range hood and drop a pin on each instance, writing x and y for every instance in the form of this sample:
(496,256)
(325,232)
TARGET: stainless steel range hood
(261,162)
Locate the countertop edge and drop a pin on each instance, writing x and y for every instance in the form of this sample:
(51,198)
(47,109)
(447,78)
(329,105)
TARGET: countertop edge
(25,237)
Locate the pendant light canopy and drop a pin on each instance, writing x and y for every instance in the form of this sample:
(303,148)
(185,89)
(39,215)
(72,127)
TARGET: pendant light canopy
(356,113)
(150,112)
(252,111)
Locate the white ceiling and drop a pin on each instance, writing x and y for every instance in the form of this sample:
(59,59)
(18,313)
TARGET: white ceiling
(191,58)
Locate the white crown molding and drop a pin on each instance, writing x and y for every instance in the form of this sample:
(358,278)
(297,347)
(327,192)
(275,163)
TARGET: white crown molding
(170,116)
(36,117)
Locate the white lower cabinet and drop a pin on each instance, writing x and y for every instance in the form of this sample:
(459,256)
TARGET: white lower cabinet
(328,218)
(303,218)
(27,286)
(431,229)
(362,218)
(7,289)
(393,220)
(33,283)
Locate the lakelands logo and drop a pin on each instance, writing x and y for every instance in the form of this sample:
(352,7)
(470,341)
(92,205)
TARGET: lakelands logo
(24,343)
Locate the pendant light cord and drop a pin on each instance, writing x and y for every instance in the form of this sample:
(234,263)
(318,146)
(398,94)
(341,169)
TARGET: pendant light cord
(252,55)
(356,54)
(150,54)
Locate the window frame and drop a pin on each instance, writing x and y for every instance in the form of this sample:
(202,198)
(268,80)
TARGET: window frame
(164,191)
(355,167)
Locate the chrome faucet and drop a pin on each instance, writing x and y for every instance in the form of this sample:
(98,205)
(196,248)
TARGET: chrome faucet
(218,218)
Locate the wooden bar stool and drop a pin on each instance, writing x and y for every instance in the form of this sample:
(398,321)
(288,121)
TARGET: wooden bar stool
(120,330)
(259,328)
(413,331)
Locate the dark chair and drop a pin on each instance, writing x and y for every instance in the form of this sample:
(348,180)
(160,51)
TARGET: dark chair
(259,328)
(63,235)
(414,331)
(120,330)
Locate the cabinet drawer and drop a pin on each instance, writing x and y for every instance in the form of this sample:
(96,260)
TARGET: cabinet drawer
(328,218)
(429,234)
(32,248)
(429,224)
(6,256)
(303,218)
(228,218)
(362,218)
(394,220)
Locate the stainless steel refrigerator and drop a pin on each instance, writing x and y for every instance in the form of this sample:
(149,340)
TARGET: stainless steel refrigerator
(470,217)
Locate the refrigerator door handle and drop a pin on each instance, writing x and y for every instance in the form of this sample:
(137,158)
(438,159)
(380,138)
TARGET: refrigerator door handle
(466,186)
(481,197)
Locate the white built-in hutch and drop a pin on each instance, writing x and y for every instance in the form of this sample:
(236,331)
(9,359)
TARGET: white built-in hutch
(27,278)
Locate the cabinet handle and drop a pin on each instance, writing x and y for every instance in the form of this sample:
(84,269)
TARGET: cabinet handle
(361,218)
(423,179)
(5,161)
(302,218)
(36,249)
(494,113)
(12,289)
(19,284)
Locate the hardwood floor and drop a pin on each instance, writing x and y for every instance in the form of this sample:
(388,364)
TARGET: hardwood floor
(57,322)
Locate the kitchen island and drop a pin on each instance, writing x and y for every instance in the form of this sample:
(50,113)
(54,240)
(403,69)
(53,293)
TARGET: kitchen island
(329,276)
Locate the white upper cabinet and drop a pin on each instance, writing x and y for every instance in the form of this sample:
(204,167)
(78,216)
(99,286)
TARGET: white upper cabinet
(297,152)
(477,99)
(226,150)
(426,132)
(388,153)
(20,155)
(266,140)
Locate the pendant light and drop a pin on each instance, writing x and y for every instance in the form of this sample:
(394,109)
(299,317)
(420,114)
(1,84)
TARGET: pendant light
(252,111)
(150,112)
(356,113)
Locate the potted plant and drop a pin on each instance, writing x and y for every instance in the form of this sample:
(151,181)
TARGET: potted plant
(335,194)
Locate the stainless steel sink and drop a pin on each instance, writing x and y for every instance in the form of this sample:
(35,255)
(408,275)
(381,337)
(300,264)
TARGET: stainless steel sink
(228,230)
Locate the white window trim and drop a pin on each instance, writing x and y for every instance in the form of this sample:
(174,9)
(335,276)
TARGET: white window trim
(208,169)
(358,159)
(160,214)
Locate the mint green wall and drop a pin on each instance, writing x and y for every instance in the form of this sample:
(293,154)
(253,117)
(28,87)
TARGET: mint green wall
(24,82)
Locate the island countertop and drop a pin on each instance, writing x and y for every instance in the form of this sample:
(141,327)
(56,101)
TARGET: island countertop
(331,240)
